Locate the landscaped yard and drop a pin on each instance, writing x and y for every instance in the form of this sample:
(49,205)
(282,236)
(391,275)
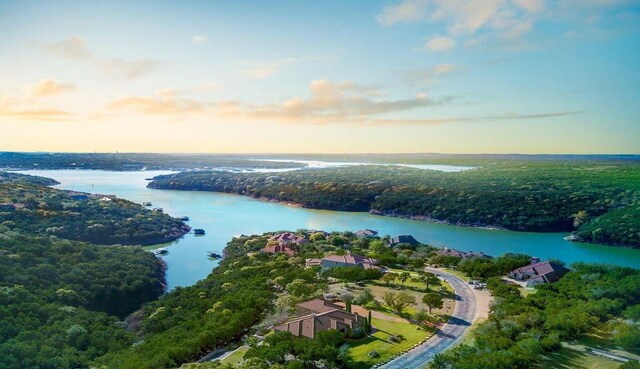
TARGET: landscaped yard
(359,350)
(417,289)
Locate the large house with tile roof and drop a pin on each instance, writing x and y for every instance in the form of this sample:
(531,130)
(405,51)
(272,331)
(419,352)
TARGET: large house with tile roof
(320,315)
(279,248)
(348,260)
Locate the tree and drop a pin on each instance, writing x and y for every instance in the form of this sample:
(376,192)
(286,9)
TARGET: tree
(403,277)
(389,298)
(254,363)
(364,297)
(433,300)
(389,278)
(423,317)
(301,288)
(398,302)
(429,279)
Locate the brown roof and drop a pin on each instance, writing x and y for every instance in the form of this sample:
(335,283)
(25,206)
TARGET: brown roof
(287,237)
(350,259)
(327,316)
(319,306)
(279,248)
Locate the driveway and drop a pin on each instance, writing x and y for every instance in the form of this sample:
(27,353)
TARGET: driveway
(463,315)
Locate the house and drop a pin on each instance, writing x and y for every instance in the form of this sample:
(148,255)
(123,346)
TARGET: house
(320,232)
(405,238)
(279,248)
(320,315)
(463,254)
(287,238)
(366,233)
(539,273)
(348,260)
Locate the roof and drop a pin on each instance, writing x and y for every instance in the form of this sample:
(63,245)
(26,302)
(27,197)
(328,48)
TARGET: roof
(350,259)
(324,315)
(549,270)
(319,306)
(366,233)
(404,238)
(279,248)
(287,237)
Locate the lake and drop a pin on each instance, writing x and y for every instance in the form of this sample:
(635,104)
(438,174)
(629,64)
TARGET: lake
(224,216)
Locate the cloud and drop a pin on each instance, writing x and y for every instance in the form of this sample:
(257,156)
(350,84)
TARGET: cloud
(440,43)
(425,75)
(467,18)
(164,102)
(75,48)
(199,39)
(48,87)
(328,102)
(38,114)
(26,108)
(72,48)
(406,11)
(489,118)
(475,21)
(128,69)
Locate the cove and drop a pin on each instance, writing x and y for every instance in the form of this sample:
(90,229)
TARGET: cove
(224,216)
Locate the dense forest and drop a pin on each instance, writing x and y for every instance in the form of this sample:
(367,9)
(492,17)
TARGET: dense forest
(98,219)
(542,195)
(61,301)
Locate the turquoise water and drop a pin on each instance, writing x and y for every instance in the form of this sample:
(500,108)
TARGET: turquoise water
(224,216)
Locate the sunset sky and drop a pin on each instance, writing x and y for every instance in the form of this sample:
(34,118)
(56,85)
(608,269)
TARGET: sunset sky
(449,76)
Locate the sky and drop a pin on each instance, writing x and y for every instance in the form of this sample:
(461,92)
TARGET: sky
(397,76)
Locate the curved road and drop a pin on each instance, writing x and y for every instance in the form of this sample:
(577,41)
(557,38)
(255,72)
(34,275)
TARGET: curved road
(463,315)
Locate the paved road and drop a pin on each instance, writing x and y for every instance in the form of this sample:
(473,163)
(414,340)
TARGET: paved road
(463,315)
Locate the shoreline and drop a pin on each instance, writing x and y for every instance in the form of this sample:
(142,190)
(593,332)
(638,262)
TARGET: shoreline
(422,218)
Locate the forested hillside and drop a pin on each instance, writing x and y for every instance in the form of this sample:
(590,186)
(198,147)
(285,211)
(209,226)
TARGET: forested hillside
(61,300)
(543,196)
(72,215)
(18,178)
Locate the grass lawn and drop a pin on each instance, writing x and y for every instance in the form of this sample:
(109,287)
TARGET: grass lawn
(457,273)
(236,357)
(359,350)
